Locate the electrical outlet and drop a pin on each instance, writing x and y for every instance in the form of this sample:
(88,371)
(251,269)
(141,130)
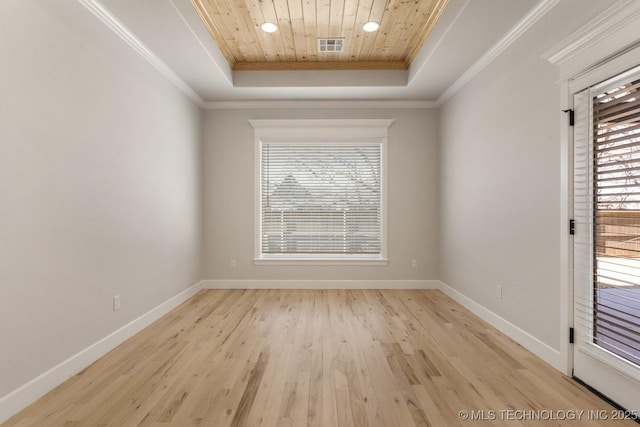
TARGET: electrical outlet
(499,292)
(234,263)
(414,263)
(116,303)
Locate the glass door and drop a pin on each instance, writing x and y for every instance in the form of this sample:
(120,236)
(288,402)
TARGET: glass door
(607,238)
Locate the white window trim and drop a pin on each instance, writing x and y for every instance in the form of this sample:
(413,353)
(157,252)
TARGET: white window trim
(329,131)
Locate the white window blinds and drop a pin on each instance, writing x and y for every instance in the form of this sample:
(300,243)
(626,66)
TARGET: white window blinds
(616,182)
(320,198)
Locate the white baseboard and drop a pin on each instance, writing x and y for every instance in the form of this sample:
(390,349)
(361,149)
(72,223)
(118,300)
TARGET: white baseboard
(528,341)
(321,284)
(20,398)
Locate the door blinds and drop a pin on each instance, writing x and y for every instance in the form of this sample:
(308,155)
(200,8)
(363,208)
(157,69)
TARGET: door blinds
(616,219)
(321,199)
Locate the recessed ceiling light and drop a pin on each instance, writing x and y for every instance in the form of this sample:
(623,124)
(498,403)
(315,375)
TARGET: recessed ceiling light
(370,27)
(269,27)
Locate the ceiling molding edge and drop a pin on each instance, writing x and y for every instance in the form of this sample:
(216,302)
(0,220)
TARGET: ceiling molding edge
(416,67)
(216,57)
(609,21)
(533,16)
(107,18)
(333,104)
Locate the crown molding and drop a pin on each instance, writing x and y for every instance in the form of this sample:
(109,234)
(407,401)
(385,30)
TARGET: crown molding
(334,104)
(107,18)
(621,14)
(102,13)
(534,15)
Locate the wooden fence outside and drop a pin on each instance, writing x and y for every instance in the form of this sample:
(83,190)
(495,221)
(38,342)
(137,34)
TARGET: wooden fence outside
(618,233)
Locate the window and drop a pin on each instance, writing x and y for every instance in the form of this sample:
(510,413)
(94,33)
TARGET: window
(320,190)
(616,213)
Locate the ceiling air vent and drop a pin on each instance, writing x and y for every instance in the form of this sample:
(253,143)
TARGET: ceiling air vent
(331,45)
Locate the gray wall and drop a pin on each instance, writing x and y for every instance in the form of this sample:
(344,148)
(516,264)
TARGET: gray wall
(100,186)
(501,190)
(107,169)
(412,196)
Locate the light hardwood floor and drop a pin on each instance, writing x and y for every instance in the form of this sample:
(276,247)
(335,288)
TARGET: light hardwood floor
(324,358)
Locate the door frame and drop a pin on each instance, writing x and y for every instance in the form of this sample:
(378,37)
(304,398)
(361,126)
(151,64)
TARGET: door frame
(598,49)
(621,62)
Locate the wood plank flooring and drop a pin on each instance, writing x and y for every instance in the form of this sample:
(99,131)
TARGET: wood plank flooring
(323,358)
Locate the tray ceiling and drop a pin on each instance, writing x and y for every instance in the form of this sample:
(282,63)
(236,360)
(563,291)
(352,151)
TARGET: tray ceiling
(172,37)
(235,27)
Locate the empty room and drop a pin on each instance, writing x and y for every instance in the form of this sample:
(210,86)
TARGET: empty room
(319,213)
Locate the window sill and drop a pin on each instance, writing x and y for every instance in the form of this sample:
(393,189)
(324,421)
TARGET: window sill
(320,261)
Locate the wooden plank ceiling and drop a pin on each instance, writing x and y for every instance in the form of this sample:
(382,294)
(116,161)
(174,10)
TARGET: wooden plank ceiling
(235,27)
